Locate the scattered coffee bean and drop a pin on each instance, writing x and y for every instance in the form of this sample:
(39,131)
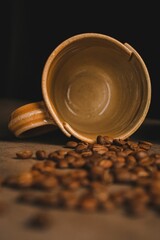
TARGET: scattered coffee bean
(25,154)
(80,178)
(41,154)
(88,203)
(71,144)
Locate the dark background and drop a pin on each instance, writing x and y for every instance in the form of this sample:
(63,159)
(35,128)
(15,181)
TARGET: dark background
(32,29)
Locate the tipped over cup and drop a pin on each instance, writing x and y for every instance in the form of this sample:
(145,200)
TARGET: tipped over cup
(92,84)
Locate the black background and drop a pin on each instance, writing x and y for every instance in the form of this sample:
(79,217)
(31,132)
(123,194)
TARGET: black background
(32,29)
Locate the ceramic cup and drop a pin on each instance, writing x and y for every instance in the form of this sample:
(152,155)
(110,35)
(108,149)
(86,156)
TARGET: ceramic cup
(92,85)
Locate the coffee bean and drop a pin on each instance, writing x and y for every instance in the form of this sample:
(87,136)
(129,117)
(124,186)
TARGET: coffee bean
(24,154)
(88,203)
(100,149)
(108,140)
(25,180)
(101,140)
(78,163)
(81,148)
(63,164)
(82,178)
(105,163)
(140,155)
(87,153)
(108,206)
(55,156)
(71,144)
(145,143)
(41,154)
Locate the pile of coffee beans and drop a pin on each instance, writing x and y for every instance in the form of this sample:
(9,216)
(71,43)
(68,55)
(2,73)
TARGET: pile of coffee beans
(107,175)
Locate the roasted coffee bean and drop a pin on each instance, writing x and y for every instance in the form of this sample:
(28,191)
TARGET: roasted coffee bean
(144,146)
(49,183)
(108,206)
(71,144)
(88,203)
(73,154)
(41,154)
(87,153)
(74,184)
(24,154)
(38,166)
(96,172)
(108,140)
(100,149)
(121,154)
(25,180)
(101,194)
(156,175)
(119,142)
(115,148)
(128,151)
(145,142)
(141,155)
(68,199)
(132,145)
(144,182)
(131,162)
(117,198)
(38,180)
(118,165)
(157,162)
(79,174)
(84,182)
(123,177)
(63,163)
(83,177)
(141,172)
(78,163)
(145,162)
(155,155)
(55,156)
(105,163)
(100,140)
(107,177)
(62,152)
(71,203)
(81,147)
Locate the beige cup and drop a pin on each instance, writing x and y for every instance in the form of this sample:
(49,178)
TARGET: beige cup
(92,85)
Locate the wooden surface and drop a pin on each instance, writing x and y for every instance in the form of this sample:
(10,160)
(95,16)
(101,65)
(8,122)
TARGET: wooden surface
(66,224)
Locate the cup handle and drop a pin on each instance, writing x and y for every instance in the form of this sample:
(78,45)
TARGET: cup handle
(31,120)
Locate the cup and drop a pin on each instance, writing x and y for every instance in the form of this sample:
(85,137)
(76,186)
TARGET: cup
(92,84)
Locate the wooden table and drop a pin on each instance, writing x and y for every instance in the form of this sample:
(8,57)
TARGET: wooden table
(67,224)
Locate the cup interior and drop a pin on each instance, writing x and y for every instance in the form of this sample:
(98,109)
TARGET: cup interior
(96,85)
